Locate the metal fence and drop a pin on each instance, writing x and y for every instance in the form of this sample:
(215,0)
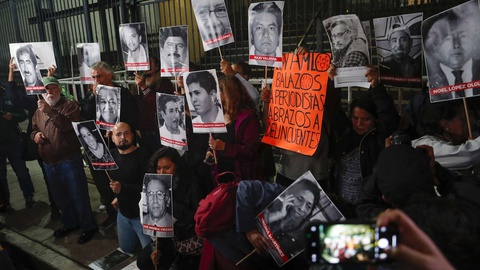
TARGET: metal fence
(67,22)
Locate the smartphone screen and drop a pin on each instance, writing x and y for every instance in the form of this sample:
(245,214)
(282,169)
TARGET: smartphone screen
(349,243)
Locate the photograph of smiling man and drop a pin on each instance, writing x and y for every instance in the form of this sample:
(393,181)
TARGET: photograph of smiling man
(133,38)
(265,24)
(174,50)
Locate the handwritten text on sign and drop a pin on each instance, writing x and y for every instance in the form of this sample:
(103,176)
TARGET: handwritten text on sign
(297,102)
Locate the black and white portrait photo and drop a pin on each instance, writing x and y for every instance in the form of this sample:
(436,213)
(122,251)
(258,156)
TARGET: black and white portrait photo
(203,96)
(29,59)
(157,197)
(284,219)
(171,120)
(108,106)
(399,47)
(265,27)
(213,23)
(451,43)
(94,146)
(133,37)
(174,50)
(87,54)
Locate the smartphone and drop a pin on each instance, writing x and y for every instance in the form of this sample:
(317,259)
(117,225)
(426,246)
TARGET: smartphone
(349,242)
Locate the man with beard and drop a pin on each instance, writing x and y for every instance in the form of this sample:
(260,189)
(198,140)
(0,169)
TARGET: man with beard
(401,64)
(348,49)
(102,74)
(149,83)
(171,132)
(126,183)
(27,61)
(158,200)
(174,50)
(59,148)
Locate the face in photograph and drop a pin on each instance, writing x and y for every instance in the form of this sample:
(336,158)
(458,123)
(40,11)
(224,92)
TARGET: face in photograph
(457,41)
(174,51)
(202,100)
(171,115)
(131,38)
(157,199)
(266,26)
(88,138)
(212,18)
(400,43)
(303,204)
(28,65)
(341,35)
(108,102)
(90,55)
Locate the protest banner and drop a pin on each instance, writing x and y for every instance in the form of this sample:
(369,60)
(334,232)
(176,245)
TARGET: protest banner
(171,121)
(108,106)
(297,102)
(87,54)
(134,43)
(174,50)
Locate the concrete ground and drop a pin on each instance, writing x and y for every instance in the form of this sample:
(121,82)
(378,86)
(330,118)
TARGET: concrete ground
(28,233)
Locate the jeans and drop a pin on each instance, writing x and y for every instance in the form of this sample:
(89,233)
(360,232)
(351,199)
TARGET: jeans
(70,191)
(129,231)
(13,151)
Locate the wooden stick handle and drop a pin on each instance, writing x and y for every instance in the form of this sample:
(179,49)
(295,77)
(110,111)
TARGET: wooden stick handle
(244,258)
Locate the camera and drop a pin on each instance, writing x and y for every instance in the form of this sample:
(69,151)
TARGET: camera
(401,137)
(349,242)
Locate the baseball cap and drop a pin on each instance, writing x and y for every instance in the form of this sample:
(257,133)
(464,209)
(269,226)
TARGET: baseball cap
(50,80)
(400,27)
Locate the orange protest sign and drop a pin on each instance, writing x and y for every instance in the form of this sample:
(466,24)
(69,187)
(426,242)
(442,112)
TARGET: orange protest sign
(297,102)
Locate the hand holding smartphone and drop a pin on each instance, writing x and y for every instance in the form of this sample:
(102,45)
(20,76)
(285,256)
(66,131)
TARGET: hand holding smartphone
(349,242)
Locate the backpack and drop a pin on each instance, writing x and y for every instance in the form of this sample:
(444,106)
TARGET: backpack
(216,213)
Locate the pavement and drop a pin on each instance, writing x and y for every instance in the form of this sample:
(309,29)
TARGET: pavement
(28,233)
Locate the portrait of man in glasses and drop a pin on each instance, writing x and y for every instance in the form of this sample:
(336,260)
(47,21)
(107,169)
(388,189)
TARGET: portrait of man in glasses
(157,191)
(349,48)
(213,23)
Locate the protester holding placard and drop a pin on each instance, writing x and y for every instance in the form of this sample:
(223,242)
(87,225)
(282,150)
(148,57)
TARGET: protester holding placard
(186,197)
(372,119)
(237,150)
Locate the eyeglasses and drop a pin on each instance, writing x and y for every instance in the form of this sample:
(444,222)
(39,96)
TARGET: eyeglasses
(340,35)
(205,13)
(159,194)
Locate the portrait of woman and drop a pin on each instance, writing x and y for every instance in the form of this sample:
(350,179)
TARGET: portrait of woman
(95,148)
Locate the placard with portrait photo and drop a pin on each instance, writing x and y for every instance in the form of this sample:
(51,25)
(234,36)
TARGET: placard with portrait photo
(87,54)
(133,39)
(452,52)
(399,48)
(349,50)
(94,146)
(108,106)
(30,58)
(204,102)
(213,23)
(156,207)
(282,221)
(171,121)
(265,28)
(174,50)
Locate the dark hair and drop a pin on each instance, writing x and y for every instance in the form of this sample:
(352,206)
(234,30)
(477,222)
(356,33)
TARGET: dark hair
(172,155)
(432,113)
(164,99)
(204,78)
(267,7)
(136,26)
(246,69)
(306,184)
(177,31)
(236,95)
(365,103)
(90,126)
(28,49)
(156,60)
